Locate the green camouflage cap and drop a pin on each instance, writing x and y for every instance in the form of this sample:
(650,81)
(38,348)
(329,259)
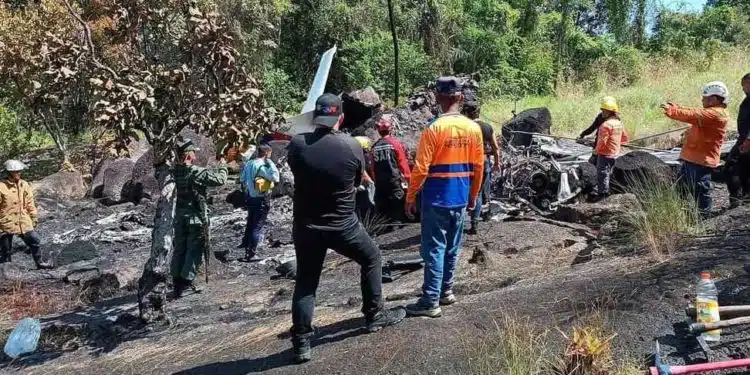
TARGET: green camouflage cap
(188,146)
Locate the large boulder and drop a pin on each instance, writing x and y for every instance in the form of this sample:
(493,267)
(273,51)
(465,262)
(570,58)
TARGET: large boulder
(97,184)
(285,187)
(638,169)
(359,106)
(597,214)
(535,120)
(61,186)
(116,185)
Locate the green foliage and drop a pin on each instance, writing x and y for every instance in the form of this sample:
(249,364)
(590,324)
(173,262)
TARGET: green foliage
(14,139)
(369,62)
(280,92)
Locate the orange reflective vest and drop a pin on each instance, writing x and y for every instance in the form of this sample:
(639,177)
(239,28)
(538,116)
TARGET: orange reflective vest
(17,209)
(449,163)
(611,137)
(704,138)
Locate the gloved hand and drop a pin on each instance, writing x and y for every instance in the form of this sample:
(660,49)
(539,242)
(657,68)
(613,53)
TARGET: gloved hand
(361,188)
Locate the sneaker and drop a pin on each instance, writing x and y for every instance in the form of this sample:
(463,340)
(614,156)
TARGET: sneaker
(422,309)
(473,229)
(385,318)
(302,350)
(448,298)
(44,265)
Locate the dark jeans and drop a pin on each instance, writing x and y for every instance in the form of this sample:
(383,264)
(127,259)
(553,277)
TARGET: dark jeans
(696,180)
(484,192)
(393,207)
(311,245)
(257,215)
(604,167)
(31,239)
(738,175)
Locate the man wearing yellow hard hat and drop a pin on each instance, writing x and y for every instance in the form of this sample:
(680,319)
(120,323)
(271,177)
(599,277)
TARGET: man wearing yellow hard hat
(610,137)
(608,104)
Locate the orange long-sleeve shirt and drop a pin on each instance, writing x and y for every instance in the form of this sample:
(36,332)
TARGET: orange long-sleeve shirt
(449,163)
(704,138)
(611,137)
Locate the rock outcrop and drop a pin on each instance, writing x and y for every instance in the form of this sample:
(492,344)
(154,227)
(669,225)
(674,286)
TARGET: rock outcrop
(61,186)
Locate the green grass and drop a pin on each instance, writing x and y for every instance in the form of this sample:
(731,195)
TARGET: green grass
(663,218)
(664,80)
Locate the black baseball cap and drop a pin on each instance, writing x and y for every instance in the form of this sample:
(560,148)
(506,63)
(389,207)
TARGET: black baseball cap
(327,110)
(448,86)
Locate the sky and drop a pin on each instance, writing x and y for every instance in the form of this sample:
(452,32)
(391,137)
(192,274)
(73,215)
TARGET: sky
(684,4)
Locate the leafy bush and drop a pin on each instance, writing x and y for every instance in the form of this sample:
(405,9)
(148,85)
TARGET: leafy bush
(14,139)
(621,68)
(369,62)
(280,92)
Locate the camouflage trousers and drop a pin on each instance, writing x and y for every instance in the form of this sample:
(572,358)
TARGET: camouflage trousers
(188,249)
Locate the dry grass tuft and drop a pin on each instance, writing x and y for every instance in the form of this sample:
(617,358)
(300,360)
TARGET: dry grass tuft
(663,218)
(515,348)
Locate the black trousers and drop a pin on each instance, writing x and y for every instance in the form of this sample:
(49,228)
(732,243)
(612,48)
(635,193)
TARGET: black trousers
(311,245)
(738,175)
(31,239)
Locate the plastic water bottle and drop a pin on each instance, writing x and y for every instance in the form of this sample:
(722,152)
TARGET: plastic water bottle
(707,306)
(24,338)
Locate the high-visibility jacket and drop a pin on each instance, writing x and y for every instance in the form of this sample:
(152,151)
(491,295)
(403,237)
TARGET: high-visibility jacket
(449,163)
(703,140)
(18,211)
(610,138)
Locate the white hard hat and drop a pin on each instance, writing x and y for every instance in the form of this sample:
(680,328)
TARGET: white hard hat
(14,166)
(717,88)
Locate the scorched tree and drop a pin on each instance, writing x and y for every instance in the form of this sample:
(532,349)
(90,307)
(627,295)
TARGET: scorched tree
(178,67)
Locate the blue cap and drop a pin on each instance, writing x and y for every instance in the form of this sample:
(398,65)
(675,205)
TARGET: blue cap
(448,86)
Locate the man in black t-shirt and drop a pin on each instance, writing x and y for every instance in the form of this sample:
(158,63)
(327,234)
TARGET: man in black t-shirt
(738,164)
(328,166)
(491,150)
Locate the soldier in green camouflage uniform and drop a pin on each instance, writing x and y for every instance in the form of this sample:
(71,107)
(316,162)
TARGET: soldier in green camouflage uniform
(191,216)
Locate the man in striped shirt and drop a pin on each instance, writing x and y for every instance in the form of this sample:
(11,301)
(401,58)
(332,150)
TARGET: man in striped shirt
(448,172)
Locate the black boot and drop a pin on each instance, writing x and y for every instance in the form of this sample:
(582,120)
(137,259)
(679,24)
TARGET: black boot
(473,229)
(178,287)
(301,345)
(41,265)
(250,257)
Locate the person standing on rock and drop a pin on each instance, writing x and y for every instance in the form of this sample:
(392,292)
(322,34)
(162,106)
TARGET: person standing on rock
(191,224)
(259,176)
(18,215)
(448,172)
(738,164)
(328,166)
(391,171)
(491,150)
(610,138)
(702,147)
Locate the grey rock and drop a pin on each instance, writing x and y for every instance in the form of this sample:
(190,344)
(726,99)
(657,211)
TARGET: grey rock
(116,184)
(596,215)
(61,186)
(76,252)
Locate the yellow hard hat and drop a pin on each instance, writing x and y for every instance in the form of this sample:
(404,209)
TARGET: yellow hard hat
(364,142)
(610,104)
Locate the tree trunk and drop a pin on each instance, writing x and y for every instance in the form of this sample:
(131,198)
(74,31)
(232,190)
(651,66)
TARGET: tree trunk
(640,23)
(152,287)
(395,53)
(562,40)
